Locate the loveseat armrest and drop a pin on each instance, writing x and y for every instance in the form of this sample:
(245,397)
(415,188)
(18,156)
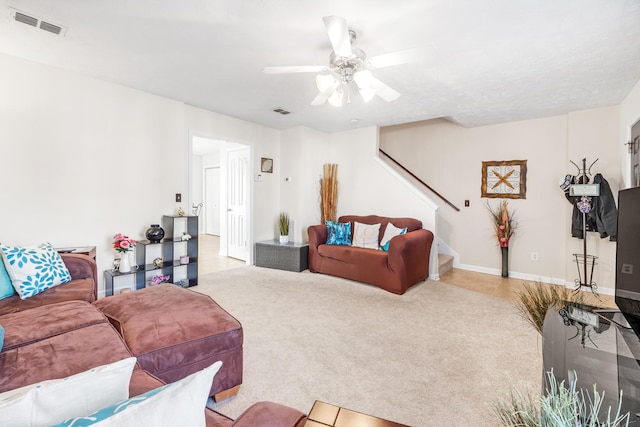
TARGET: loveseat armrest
(81,267)
(409,254)
(270,414)
(317,236)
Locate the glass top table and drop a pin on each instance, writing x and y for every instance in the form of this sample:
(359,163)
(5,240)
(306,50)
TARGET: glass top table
(598,347)
(327,415)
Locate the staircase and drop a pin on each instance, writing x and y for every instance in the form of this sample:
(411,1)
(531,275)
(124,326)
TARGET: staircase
(445,263)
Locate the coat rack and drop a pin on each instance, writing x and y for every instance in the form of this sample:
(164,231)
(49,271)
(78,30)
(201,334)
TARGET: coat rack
(586,192)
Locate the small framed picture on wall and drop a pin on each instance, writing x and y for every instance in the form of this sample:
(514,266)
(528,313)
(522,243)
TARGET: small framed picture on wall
(266,165)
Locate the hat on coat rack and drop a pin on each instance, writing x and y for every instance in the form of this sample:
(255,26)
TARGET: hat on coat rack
(565,182)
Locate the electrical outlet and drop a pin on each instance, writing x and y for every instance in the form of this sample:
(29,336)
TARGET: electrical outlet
(534,256)
(178,197)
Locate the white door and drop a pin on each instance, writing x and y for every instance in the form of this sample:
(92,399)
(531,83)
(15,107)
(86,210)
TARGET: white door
(212,200)
(635,154)
(237,194)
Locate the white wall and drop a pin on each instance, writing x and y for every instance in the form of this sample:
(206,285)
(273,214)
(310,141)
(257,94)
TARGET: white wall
(303,152)
(84,159)
(448,157)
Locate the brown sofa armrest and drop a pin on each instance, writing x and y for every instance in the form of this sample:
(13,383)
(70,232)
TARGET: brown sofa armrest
(410,253)
(81,267)
(270,414)
(317,235)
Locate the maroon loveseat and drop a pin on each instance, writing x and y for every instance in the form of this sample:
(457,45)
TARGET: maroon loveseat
(41,334)
(405,264)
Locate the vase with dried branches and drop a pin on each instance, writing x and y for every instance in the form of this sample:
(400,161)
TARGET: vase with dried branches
(329,193)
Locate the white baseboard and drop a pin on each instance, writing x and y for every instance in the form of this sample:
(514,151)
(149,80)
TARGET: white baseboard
(530,277)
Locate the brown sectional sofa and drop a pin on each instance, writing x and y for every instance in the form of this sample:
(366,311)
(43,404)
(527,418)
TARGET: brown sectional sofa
(60,332)
(405,264)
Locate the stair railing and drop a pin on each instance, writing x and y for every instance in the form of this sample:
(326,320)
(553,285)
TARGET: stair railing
(419,180)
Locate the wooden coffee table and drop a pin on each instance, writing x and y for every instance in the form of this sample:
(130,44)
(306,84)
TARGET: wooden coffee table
(324,414)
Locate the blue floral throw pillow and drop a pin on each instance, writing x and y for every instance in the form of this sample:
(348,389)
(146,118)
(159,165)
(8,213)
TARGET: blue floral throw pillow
(338,233)
(34,269)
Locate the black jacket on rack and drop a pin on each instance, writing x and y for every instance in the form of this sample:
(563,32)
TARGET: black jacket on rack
(603,216)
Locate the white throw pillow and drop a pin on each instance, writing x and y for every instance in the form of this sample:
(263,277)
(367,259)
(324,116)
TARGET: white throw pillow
(181,403)
(53,401)
(34,269)
(365,235)
(389,233)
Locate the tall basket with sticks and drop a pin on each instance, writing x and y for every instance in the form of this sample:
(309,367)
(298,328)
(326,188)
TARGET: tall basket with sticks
(329,193)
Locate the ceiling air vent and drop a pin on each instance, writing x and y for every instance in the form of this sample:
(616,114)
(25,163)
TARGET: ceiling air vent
(50,27)
(37,22)
(281,111)
(26,19)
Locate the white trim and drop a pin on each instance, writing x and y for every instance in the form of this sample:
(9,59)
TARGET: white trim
(530,277)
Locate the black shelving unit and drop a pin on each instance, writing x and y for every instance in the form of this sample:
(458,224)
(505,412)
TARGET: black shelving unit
(171,248)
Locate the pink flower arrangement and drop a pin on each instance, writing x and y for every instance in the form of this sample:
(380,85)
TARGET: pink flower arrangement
(122,243)
(503,223)
(156,280)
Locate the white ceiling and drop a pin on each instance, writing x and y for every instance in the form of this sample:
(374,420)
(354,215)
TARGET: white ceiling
(485,61)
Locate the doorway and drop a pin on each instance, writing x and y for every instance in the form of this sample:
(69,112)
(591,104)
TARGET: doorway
(219,174)
(212,200)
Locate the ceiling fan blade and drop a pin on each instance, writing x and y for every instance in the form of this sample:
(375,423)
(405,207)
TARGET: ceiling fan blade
(384,91)
(295,69)
(323,96)
(338,32)
(397,58)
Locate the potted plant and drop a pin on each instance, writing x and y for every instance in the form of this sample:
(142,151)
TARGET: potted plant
(283,224)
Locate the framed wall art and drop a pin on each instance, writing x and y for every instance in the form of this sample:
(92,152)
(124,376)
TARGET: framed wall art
(504,180)
(266,165)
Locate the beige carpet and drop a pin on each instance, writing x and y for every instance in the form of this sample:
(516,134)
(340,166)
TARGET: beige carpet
(436,356)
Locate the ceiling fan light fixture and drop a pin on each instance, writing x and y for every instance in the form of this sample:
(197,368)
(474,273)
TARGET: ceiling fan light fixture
(324,81)
(367,94)
(336,98)
(363,79)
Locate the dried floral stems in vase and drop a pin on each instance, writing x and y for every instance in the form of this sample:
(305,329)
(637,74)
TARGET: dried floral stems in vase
(329,193)
(504,224)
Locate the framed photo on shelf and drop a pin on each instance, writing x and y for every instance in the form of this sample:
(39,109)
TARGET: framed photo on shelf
(504,180)
(266,165)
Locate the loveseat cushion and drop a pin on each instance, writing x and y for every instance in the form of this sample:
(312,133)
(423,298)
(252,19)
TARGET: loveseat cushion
(354,255)
(30,326)
(81,290)
(61,356)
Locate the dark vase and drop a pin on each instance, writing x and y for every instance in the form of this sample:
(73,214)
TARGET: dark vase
(155,233)
(505,261)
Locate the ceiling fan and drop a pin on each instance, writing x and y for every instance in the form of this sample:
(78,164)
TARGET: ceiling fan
(348,66)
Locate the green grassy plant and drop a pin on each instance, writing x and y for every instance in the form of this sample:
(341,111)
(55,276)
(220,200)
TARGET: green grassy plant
(283,224)
(559,406)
